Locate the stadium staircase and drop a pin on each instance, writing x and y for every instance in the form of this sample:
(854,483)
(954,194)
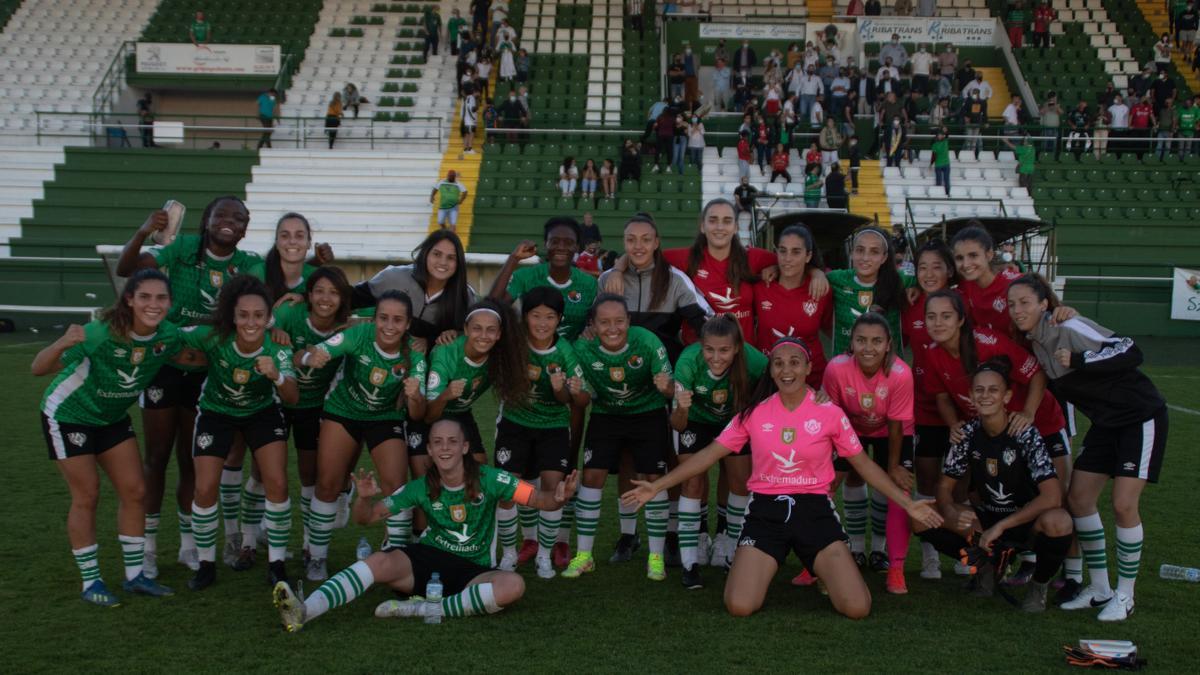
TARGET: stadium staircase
(467,169)
(1143,23)
(978,189)
(966,9)
(735,10)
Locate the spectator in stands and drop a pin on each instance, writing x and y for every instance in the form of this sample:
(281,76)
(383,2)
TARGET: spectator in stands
(744,59)
(964,76)
(499,18)
(1100,126)
(1162,53)
(922,64)
(974,114)
(1163,90)
(1026,159)
(1187,122)
(450,195)
(508,60)
(1140,84)
(835,188)
(744,154)
(470,118)
(864,87)
(691,70)
(679,143)
(1079,125)
(568,177)
(634,9)
(1106,97)
(926,8)
(505,33)
(839,91)
(431,21)
(514,115)
(816,114)
(1118,115)
(491,121)
(631,162)
(873,8)
(894,52)
(855,8)
(676,77)
(779,164)
(483,74)
(1141,126)
(1186,22)
(524,65)
(333,117)
(589,178)
(940,114)
(982,88)
(466,59)
(145,111)
(762,143)
(720,53)
(743,197)
(268,111)
(1012,116)
(773,101)
(830,141)
(903,8)
(664,133)
(1043,16)
(887,78)
(479,18)
(915,105)
(812,156)
(608,179)
(855,156)
(201,31)
(721,78)
(827,73)
(812,187)
(695,142)
(352,99)
(940,159)
(895,136)
(1015,23)
(1165,130)
(454,28)
(1051,114)
(947,63)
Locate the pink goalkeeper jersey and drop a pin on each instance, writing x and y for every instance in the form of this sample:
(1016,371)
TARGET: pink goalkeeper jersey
(871,403)
(792,450)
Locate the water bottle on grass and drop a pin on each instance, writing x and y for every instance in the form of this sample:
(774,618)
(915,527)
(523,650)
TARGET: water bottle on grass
(433,599)
(1177,573)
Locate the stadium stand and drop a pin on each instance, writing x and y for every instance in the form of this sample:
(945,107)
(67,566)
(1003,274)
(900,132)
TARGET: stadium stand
(1142,22)
(7,9)
(22,174)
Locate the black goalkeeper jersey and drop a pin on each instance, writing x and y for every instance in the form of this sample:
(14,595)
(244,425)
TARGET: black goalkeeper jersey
(1005,470)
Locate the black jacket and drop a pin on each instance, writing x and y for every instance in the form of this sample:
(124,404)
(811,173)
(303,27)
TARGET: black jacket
(683,303)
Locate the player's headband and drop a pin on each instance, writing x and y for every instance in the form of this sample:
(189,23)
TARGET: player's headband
(789,340)
(485,310)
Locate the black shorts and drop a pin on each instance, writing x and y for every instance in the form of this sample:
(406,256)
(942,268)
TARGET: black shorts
(214,433)
(877,448)
(1019,537)
(645,436)
(418,434)
(369,432)
(1132,451)
(527,452)
(1057,444)
(305,424)
(696,436)
(173,388)
(65,440)
(931,441)
(455,571)
(804,524)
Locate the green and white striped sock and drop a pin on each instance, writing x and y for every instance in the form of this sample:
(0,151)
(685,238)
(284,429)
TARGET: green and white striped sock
(528,517)
(657,513)
(477,599)
(320,522)
(133,553)
(1129,557)
(254,497)
(152,522)
(399,528)
(567,524)
(1073,566)
(279,527)
(230,490)
(186,540)
(689,530)
(735,516)
(587,518)
(338,590)
(628,518)
(854,503)
(89,566)
(548,528)
(506,528)
(204,525)
(1089,530)
(306,495)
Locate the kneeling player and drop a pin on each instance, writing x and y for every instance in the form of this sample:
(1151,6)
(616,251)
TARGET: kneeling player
(1016,494)
(460,497)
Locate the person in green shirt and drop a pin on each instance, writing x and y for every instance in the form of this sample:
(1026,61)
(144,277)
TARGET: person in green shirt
(460,496)
(1026,158)
(101,368)
(534,439)
(286,266)
(940,161)
(431,20)
(1187,117)
(199,266)
(377,387)
(630,376)
(871,284)
(812,186)
(249,376)
(200,31)
(713,380)
(450,195)
(453,27)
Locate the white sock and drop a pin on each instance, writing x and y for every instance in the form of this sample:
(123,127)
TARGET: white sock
(506,529)
(628,518)
(279,526)
(1129,557)
(854,503)
(657,510)
(152,522)
(547,531)
(399,528)
(186,540)
(1089,530)
(587,518)
(320,521)
(673,518)
(928,552)
(689,530)
(230,497)
(477,599)
(133,553)
(735,516)
(254,499)
(204,527)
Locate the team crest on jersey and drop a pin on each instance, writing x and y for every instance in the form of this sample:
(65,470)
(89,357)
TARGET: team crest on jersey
(335,340)
(574,296)
(203,441)
(215,278)
(458,513)
(867,400)
(813,427)
(137,355)
(993,467)
(635,361)
(687,439)
(864,298)
(377,376)
(414,440)
(1009,457)
(881,391)
(77,438)
(159,348)
(999,305)
(434,380)
(503,455)
(399,371)
(616,374)
(810,307)
(241,376)
(155,394)
(533,372)
(788,435)
(719,396)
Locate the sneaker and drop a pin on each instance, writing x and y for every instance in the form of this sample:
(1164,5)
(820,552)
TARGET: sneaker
(560,554)
(1035,598)
(260,537)
(529,549)
(233,546)
(291,608)
(691,577)
(205,576)
(879,561)
(276,572)
(805,578)
(654,169)
(627,545)
(581,564)
(704,548)
(150,565)
(931,568)
(508,561)
(656,567)
(722,552)
(671,551)
(860,559)
(984,582)
(99,595)
(1022,576)
(245,559)
(189,558)
(144,586)
(895,581)
(545,569)
(1067,592)
(315,570)
(1118,608)
(961,569)
(400,609)
(341,517)
(1089,597)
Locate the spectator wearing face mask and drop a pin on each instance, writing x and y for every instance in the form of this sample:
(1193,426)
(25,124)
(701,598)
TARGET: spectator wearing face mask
(828,72)
(887,78)
(807,86)
(922,61)
(695,142)
(1162,53)
(839,90)
(1163,90)
(873,8)
(895,51)
(722,75)
(978,87)
(1118,114)
(744,59)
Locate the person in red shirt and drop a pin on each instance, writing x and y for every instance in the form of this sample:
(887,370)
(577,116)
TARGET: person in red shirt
(811,156)
(1043,16)
(744,155)
(788,307)
(983,288)
(1141,124)
(779,164)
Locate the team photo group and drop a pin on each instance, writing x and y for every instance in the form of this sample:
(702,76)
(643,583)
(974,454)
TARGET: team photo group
(933,392)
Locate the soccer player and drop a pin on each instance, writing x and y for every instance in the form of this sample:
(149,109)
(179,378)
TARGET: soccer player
(790,306)
(1097,372)
(713,380)
(872,283)
(101,368)
(628,371)
(792,441)
(378,386)
(460,496)
(875,390)
(983,288)
(534,438)
(199,266)
(285,267)
(1016,496)
(249,376)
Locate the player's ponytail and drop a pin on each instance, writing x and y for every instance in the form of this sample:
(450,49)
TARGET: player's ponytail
(508,359)
(273,265)
(119,315)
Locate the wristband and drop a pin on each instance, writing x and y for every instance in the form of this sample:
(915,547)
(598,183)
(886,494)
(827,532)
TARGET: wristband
(279,380)
(304,359)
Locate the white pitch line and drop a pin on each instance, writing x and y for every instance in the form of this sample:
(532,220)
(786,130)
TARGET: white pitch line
(1182,409)
(23,344)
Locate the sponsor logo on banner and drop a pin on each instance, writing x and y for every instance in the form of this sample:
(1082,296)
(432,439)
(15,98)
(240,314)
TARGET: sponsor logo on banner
(212,59)
(916,29)
(752,31)
(1185,294)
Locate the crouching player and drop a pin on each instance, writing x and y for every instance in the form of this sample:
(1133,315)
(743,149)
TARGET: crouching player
(1015,494)
(460,497)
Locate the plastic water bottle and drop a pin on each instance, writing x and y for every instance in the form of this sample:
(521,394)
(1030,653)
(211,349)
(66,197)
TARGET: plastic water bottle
(433,599)
(1177,573)
(363,549)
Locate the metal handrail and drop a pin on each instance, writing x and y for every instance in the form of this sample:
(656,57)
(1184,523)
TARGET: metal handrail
(111,82)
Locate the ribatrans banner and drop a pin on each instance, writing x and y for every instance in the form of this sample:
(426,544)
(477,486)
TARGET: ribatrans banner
(1185,294)
(752,31)
(962,32)
(187,59)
